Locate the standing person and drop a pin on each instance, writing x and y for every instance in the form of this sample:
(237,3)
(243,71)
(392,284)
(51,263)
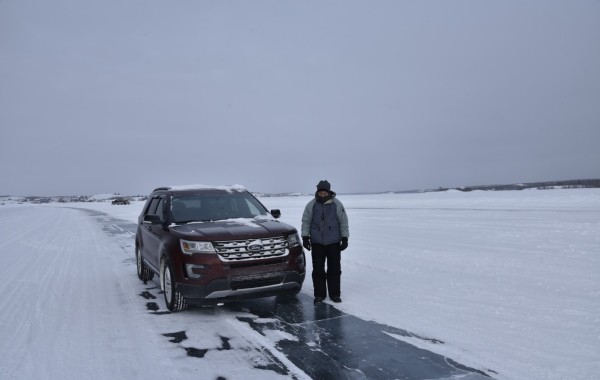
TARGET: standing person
(325,231)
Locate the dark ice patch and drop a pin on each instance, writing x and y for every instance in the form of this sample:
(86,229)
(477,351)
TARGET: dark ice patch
(147,295)
(152,306)
(330,344)
(225,346)
(195,352)
(176,337)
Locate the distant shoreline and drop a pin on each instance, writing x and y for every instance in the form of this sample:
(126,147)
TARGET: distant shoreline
(544,185)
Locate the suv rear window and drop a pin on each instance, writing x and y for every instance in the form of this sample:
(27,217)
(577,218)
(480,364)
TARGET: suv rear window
(206,207)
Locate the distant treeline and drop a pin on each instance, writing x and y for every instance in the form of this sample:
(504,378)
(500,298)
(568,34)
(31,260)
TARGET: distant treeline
(568,184)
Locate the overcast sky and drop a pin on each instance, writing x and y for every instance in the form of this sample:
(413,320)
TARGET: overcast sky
(103,96)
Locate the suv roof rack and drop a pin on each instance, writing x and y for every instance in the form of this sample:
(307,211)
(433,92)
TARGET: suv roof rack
(162,188)
(227,188)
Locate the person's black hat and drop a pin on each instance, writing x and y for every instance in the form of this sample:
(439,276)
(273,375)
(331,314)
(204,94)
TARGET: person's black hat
(324,185)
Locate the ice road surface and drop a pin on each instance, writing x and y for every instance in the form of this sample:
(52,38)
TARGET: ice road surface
(508,281)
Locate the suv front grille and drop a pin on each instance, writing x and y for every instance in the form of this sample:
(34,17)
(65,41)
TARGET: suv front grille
(255,280)
(251,249)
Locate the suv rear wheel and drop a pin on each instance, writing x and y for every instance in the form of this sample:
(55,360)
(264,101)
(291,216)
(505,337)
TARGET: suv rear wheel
(144,273)
(173,297)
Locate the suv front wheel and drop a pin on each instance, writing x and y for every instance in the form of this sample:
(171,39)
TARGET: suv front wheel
(144,273)
(173,297)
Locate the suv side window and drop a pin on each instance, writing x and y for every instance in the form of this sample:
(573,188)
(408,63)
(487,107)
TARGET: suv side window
(152,207)
(156,207)
(160,208)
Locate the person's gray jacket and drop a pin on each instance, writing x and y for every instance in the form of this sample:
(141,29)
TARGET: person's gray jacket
(325,223)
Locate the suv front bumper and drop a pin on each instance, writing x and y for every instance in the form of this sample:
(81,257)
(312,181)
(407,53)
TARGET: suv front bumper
(219,290)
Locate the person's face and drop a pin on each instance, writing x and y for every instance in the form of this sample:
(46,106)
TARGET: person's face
(322,193)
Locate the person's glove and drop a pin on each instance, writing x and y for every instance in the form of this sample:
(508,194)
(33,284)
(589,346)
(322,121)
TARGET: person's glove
(344,243)
(306,242)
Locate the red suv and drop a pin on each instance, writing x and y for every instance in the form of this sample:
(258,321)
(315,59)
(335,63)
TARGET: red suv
(216,244)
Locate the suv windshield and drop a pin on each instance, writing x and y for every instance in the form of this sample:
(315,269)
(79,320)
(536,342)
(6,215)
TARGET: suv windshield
(207,207)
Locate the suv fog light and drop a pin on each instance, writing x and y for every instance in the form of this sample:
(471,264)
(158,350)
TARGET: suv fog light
(195,271)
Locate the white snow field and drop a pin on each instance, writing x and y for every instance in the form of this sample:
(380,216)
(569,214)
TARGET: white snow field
(509,281)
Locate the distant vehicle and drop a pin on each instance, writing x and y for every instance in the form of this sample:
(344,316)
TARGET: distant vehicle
(120,201)
(210,245)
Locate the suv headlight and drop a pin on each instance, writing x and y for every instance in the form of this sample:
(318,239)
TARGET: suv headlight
(293,240)
(191,247)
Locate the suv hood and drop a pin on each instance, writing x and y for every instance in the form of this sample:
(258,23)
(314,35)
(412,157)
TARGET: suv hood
(232,229)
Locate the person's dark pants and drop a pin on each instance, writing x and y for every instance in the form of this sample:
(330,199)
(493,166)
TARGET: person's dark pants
(330,279)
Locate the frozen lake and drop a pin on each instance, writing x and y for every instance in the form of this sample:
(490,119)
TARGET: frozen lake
(507,283)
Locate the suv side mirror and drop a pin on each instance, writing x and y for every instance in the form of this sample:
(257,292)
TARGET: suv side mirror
(276,213)
(152,218)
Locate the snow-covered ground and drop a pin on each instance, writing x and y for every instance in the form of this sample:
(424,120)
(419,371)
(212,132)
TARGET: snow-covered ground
(509,281)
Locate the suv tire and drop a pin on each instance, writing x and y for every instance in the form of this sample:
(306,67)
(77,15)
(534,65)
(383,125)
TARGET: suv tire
(144,273)
(173,297)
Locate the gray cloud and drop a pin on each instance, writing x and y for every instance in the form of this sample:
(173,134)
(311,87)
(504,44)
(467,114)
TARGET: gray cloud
(104,96)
